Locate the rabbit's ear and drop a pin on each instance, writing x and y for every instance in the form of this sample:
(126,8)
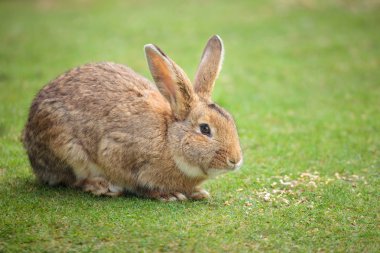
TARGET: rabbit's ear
(171,81)
(209,67)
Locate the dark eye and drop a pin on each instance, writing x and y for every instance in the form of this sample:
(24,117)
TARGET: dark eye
(205,129)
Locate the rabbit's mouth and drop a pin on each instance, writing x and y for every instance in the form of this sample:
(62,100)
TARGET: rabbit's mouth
(232,166)
(235,165)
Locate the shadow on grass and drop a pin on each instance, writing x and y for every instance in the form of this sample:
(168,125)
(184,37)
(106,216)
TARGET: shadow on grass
(29,191)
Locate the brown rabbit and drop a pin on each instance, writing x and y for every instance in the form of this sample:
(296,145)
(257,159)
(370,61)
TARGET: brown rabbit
(106,129)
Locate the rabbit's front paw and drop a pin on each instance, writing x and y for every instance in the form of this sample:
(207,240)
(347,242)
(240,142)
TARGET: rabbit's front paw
(175,196)
(100,186)
(165,197)
(199,194)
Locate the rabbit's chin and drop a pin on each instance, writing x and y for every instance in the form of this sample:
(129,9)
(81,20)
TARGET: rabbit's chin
(196,171)
(213,173)
(189,169)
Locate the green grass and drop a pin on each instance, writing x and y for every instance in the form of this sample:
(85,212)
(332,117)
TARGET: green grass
(302,79)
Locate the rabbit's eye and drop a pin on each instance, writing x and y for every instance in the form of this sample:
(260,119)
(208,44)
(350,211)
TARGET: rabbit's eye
(205,129)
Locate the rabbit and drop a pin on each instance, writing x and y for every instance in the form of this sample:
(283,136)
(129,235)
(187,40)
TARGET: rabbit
(105,129)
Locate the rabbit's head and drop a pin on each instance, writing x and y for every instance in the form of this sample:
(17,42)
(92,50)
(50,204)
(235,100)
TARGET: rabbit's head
(203,137)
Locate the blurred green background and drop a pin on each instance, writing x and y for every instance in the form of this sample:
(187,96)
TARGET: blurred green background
(301,78)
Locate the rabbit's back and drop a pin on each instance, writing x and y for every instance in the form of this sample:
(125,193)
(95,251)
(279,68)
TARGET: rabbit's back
(96,89)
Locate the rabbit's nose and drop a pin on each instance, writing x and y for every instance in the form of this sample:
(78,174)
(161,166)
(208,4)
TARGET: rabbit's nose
(234,163)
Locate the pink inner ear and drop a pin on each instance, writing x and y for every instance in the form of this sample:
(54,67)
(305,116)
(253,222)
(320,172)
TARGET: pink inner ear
(163,75)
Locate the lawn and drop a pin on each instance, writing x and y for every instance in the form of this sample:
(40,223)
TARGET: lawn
(302,79)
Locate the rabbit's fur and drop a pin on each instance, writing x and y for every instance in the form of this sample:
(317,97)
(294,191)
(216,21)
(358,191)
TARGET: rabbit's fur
(106,129)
